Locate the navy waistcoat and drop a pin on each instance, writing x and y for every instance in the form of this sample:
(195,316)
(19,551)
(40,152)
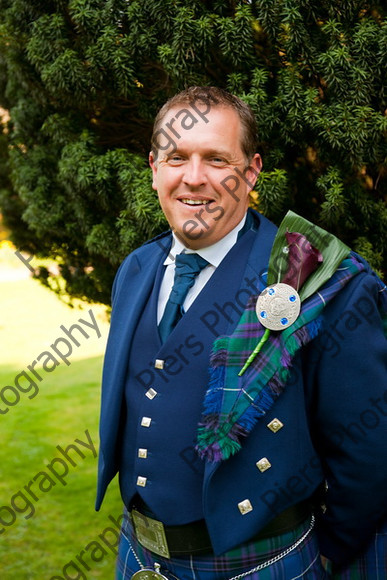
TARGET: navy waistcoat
(164,405)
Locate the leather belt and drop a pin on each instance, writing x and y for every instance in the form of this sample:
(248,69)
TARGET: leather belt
(193,538)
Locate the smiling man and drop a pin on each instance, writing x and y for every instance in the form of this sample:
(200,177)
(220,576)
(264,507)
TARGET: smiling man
(224,475)
(192,175)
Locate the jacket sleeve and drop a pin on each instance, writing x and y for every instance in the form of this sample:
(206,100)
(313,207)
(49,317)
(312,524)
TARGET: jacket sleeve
(349,417)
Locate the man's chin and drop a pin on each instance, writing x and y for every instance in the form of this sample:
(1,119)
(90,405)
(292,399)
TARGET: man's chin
(194,236)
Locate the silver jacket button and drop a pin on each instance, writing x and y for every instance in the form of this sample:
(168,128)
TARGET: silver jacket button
(263,464)
(245,506)
(275,425)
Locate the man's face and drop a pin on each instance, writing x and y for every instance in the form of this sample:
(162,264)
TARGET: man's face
(200,176)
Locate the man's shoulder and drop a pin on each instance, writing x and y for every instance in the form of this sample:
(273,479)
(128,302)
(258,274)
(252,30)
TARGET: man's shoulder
(165,236)
(161,242)
(265,226)
(367,283)
(143,257)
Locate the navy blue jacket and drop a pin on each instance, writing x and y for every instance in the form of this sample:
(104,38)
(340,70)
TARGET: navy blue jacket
(333,411)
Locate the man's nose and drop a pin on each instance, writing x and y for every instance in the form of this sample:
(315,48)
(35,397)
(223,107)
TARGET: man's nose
(195,173)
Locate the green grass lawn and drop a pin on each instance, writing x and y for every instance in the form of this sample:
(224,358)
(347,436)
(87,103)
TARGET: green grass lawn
(64,523)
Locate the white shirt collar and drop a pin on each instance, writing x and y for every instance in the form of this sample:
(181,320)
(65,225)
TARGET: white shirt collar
(214,254)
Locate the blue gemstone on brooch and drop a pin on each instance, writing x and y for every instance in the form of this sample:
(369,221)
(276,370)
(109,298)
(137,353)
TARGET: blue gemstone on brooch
(292,298)
(284,321)
(263,314)
(271,291)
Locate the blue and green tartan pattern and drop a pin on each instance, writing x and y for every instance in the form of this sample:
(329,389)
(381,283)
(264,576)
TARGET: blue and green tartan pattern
(303,562)
(371,564)
(233,404)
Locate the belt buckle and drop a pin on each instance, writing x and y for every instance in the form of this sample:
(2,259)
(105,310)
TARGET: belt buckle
(151,535)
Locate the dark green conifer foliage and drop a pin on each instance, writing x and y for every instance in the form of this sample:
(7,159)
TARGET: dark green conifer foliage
(83,79)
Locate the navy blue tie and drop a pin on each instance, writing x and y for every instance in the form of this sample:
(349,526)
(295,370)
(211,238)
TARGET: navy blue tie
(187,267)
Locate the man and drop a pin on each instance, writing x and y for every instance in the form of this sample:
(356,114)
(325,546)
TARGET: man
(273,447)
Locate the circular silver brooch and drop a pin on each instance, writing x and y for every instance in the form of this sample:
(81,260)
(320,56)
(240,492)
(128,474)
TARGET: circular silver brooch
(278,306)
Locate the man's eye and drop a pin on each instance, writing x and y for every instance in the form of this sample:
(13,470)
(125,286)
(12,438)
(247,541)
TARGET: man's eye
(218,160)
(175,160)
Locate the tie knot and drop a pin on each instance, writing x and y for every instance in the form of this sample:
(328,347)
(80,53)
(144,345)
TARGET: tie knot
(187,267)
(189,264)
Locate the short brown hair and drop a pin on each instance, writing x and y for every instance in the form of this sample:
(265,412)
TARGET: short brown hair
(217,97)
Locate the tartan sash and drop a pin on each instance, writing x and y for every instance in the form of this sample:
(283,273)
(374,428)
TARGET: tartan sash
(233,404)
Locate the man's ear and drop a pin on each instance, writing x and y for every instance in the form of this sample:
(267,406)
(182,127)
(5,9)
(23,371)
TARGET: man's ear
(254,169)
(258,162)
(153,164)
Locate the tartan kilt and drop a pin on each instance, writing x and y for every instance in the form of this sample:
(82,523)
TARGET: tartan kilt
(302,562)
(370,564)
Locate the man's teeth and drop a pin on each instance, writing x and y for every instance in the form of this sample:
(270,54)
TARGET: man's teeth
(196,201)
